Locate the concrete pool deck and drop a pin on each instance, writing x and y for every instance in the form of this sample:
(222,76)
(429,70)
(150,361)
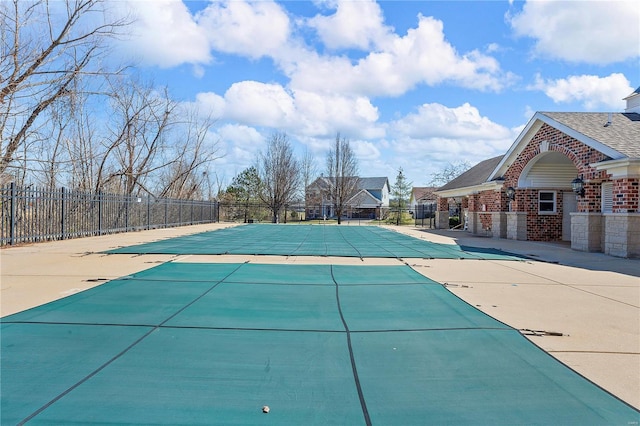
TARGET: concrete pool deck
(582,308)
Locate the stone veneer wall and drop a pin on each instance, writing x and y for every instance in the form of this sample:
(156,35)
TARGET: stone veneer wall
(516,225)
(622,234)
(586,231)
(499,224)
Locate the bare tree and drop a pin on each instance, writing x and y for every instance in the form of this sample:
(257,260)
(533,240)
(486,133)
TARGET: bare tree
(186,176)
(83,147)
(342,171)
(279,171)
(141,118)
(45,47)
(309,171)
(52,153)
(450,171)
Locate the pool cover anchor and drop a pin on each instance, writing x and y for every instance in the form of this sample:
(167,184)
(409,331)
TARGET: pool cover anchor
(266,409)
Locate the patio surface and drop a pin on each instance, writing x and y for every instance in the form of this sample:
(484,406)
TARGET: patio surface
(582,308)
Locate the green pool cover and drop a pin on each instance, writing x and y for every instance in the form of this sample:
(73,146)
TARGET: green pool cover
(312,240)
(319,344)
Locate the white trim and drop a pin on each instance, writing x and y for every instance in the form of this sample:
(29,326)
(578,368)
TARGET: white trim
(468,190)
(622,168)
(555,202)
(531,129)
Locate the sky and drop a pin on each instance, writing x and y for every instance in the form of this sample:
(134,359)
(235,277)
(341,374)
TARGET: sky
(416,85)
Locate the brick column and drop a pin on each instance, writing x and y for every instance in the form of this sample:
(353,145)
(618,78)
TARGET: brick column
(442,214)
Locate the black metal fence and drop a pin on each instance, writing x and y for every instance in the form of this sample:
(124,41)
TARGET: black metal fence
(424,215)
(34,214)
(260,212)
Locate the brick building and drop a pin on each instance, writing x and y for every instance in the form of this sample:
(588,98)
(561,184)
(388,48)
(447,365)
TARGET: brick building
(567,177)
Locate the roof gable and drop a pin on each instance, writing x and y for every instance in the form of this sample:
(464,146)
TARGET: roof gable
(423,193)
(617,140)
(363,197)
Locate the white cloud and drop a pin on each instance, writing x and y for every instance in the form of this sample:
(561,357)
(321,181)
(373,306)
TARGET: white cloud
(253,29)
(365,150)
(356,24)
(164,34)
(240,145)
(327,114)
(245,137)
(168,35)
(259,104)
(305,113)
(422,56)
(438,121)
(426,141)
(596,32)
(210,104)
(590,90)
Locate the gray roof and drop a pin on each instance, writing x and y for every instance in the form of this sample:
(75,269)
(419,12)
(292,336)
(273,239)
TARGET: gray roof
(622,135)
(375,183)
(476,175)
(363,197)
(367,183)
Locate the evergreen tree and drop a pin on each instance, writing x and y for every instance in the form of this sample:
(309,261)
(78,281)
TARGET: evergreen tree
(401,191)
(245,189)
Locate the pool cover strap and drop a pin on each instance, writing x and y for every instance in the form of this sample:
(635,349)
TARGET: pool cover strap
(312,240)
(213,343)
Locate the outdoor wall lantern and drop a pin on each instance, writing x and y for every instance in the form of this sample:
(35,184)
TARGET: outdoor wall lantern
(578,186)
(511,193)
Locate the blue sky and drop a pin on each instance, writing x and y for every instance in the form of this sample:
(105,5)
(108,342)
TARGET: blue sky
(411,84)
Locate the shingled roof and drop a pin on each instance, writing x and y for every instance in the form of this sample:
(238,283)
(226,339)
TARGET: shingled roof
(375,183)
(622,133)
(423,193)
(476,175)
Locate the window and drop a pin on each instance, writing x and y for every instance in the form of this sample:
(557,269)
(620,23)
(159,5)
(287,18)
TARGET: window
(607,197)
(546,202)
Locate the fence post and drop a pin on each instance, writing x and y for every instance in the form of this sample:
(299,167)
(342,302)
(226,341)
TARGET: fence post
(62,212)
(126,212)
(12,224)
(99,212)
(148,212)
(191,202)
(166,206)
